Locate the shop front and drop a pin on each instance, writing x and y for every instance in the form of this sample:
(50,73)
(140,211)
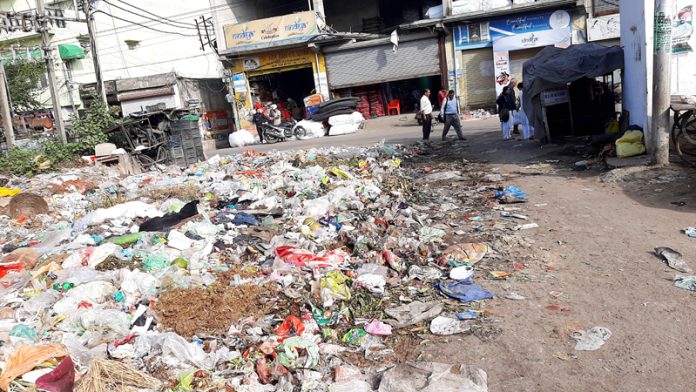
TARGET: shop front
(279,75)
(491,53)
(273,62)
(387,78)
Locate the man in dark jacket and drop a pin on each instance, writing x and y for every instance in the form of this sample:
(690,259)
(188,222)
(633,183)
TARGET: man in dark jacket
(259,119)
(513,97)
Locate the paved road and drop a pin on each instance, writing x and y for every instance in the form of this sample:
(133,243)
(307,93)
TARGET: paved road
(393,130)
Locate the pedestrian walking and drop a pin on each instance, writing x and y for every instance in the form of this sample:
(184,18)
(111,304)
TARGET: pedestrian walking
(450,114)
(426,109)
(506,109)
(527,128)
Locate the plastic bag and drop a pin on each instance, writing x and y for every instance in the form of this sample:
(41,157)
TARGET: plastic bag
(470,253)
(61,379)
(91,257)
(511,195)
(241,138)
(26,358)
(291,323)
(289,353)
(630,144)
(463,290)
(334,287)
(378,328)
(444,326)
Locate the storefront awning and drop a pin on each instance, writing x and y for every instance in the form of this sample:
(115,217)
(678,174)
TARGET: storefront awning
(71,52)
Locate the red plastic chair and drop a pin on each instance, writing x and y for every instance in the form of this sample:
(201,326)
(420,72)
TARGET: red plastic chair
(394,104)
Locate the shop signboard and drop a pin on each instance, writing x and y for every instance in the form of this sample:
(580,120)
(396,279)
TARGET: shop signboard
(555,96)
(604,27)
(275,61)
(516,32)
(272,32)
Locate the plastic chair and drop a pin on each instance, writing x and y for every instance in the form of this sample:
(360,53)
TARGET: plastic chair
(394,104)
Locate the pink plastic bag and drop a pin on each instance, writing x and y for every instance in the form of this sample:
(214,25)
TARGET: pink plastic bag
(378,328)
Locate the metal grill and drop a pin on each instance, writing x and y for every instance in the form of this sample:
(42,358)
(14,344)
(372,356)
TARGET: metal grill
(605,7)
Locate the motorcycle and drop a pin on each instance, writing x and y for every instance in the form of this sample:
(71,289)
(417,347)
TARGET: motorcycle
(279,133)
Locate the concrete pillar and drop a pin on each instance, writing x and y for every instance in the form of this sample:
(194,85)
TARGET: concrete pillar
(318,6)
(637,40)
(447,7)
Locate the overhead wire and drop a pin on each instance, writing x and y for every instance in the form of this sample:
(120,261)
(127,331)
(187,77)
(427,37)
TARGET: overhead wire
(191,27)
(145,26)
(155,15)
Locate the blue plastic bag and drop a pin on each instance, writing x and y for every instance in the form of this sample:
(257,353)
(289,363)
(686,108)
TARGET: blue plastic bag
(463,290)
(511,195)
(243,218)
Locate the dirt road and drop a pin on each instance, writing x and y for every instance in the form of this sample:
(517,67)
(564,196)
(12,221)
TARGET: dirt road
(593,250)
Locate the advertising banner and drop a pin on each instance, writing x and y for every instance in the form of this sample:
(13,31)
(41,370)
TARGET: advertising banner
(501,62)
(516,32)
(270,32)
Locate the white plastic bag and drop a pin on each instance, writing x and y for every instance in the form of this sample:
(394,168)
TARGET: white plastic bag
(241,138)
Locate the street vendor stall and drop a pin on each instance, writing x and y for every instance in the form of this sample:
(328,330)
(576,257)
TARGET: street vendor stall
(570,91)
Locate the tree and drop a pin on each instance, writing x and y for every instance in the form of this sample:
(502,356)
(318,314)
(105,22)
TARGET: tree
(24,83)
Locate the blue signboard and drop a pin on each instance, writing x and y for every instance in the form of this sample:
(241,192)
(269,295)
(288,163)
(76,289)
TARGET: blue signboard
(516,32)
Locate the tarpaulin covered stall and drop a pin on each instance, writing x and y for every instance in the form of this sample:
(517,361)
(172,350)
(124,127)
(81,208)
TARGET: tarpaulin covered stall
(555,67)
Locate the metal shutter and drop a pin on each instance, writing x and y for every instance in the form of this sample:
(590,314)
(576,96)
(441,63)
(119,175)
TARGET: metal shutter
(380,64)
(477,86)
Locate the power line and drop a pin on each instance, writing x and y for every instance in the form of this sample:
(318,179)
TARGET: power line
(147,27)
(155,15)
(148,17)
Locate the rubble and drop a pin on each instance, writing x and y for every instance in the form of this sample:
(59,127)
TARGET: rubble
(253,271)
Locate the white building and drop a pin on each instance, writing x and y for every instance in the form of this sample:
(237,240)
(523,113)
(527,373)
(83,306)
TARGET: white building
(73,68)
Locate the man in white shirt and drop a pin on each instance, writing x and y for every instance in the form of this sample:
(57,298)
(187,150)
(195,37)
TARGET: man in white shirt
(450,110)
(426,108)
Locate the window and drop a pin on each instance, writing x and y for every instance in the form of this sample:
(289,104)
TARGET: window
(605,7)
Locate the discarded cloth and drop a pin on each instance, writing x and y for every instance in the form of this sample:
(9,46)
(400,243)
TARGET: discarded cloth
(463,290)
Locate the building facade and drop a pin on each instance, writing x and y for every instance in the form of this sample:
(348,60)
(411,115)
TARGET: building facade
(69,48)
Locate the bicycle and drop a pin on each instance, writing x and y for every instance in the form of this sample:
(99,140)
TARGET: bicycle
(683,133)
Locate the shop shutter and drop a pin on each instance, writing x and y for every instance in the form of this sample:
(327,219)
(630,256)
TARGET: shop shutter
(477,86)
(379,64)
(517,60)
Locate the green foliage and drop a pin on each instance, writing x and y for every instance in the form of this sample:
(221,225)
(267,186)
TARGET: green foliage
(22,162)
(23,81)
(90,129)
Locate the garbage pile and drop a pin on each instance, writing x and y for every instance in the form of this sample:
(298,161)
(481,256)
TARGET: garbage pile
(288,271)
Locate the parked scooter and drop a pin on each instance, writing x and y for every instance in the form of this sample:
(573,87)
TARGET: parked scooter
(280,133)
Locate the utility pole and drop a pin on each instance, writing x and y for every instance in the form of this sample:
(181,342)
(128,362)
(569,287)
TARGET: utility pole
(6,112)
(48,54)
(662,81)
(92,30)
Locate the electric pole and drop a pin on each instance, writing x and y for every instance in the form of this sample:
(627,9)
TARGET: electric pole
(91,28)
(48,54)
(6,112)
(662,81)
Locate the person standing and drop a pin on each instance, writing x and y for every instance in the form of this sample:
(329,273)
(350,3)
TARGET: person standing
(426,108)
(506,109)
(450,112)
(259,119)
(275,115)
(513,113)
(527,128)
(441,96)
